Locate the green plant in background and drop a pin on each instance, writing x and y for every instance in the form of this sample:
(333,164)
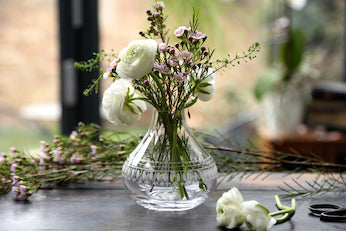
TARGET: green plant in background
(286,60)
(302,37)
(291,57)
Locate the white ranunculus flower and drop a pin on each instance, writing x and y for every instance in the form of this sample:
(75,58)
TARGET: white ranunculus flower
(119,108)
(137,59)
(297,4)
(256,216)
(205,89)
(229,209)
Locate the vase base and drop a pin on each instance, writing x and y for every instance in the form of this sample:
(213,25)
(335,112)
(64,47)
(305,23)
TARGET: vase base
(160,198)
(177,206)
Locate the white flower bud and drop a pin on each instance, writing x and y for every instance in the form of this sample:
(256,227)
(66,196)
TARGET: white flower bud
(205,80)
(114,104)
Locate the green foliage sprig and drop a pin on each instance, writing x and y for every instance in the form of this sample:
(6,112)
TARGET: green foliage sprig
(94,64)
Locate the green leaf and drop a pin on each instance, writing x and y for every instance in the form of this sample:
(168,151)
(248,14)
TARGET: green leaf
(190,104)
(292,51)
(266,82)
(203,84)
(203,91)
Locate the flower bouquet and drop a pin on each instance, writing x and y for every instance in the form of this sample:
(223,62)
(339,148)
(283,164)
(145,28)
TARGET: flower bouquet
(168,170)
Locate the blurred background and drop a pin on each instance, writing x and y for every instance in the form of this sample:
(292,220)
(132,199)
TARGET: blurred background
(302,50)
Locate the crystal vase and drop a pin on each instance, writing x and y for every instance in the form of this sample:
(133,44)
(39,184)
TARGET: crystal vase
(169,170)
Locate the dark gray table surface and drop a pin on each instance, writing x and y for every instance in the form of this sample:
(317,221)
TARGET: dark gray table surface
(100,207)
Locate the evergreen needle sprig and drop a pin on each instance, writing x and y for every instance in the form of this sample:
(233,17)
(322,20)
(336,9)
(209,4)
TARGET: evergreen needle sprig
(323,182)
(330,177)
(92,153)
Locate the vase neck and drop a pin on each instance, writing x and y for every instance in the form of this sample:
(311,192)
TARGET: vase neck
(162,117)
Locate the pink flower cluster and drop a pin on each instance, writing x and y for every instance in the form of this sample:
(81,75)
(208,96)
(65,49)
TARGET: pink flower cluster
(19,190)
(176,60)
(109,71)
(183,30)
(162,68)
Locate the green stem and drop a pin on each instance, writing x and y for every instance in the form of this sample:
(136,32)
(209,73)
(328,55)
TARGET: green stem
(287,211)
(280,212)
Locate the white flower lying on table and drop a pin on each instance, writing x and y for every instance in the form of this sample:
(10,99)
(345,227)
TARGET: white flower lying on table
(257,216)
(229,209)
(233,211)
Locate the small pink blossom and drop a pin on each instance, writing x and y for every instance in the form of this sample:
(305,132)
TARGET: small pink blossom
(12,150)
(156,14)
(186,55)
(58,156)
(56,139)
(15,191)
(107,73)
(174,61)
(15,179)
(57,152)
(93,149)
(114,62)
(73,135)
(198,35)
(2,157)
(171,50)
(44,148)
(13,167)
(73,160)
(42,144)
(42,162)
(159,5)
(180,77)
(162,68)
(23,192)
(60,160)
(181,30)
(163,47)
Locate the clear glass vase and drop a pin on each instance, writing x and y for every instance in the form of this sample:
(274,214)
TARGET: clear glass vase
(169,170)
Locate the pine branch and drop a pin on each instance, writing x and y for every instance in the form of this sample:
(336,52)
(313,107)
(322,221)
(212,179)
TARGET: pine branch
(277,158)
